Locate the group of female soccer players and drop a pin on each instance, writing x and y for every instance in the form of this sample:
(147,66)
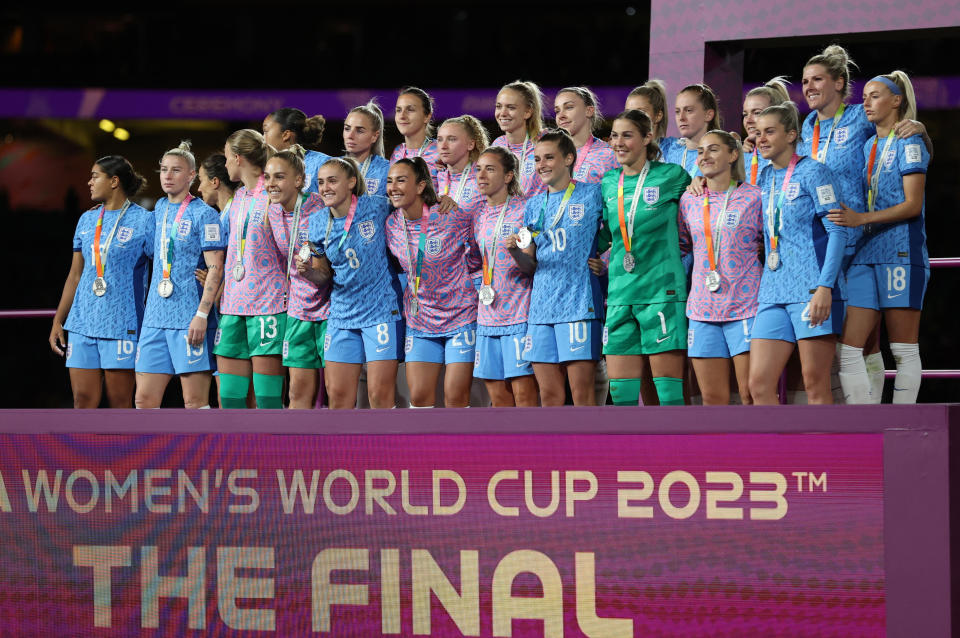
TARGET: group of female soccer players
(522,262)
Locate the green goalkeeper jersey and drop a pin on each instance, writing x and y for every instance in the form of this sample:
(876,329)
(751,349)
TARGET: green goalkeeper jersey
(658,274)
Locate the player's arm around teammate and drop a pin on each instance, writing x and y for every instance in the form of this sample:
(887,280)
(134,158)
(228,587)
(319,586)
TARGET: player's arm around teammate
(647,282)
(460,140)
(890,269)
(365,324)
(102,298)
(363,141)
(800,302)
(307,305)
(440,301)
(723,228)
(249,340)
(175,339)
(566,307)
(504,295)
(413,116)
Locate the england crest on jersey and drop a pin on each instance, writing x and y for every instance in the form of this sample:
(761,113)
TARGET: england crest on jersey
(124,234)
(434,246)
(367,229)
(651,195)
(257,217)
(506,230)
(888,159)
(183,228)
(576,212)
(793,191)
(731,219)
(302,237)
(372,186)
(840,135)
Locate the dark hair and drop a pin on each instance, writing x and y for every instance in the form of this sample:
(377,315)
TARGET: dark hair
(216,166)
(645,125)
(510,164)
(563,141)
(307,130)
(421,173)
(120,167)
(426,102)
(708,100)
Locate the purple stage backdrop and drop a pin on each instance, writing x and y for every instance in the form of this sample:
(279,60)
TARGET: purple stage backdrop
(566,522)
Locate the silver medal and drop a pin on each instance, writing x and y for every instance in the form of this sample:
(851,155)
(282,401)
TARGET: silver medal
(238,272)
(486,295)
(773,260)
(99,286)
(524,237)
(165,288)
(712,281)
(305,252)
(629,263)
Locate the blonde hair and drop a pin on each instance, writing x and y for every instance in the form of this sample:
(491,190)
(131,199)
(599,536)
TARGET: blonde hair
(250,145)
(774,90)
(589,99)
(350,168)
(510,164)
(183,150)
(655,92)
(293,156)
(732,142)
(908,105)
(534,98)
(787,114)
(372,110)
(837,62)
(475,131)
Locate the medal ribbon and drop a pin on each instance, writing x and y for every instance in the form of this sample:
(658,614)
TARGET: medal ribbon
(816,135)
(168,251)
(774,212)
(874,175)
(464,178)
(683,160)
(242,241)
(100,258)
(754,167)
(366,165)
(294,232)
(349,222)
(560,209)
(421,249)
(713,251)
(423,147)
(582,155)
(488,257)
(626,226)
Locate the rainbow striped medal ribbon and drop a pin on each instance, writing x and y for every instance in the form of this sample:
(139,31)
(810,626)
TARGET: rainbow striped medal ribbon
(487,293)
(100,255)
(165,287)
(775,212)
(417,269)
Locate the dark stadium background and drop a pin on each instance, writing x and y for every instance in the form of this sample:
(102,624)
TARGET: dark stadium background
(304,45)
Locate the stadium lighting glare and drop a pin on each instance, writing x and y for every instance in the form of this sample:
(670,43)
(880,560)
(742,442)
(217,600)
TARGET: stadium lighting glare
(107,126)
(122,134)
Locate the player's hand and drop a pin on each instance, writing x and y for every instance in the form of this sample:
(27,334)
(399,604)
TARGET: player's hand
(845,216)
(303,267)
(749,143)
(909,128)
(597,266)
(196,331)
(58,341)
(201,275)
(697,186)
(511,241)
(447,204)
(819,306)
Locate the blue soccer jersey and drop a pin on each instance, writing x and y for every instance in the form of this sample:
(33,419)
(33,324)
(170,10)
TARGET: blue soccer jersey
(198,230)
(810,247)
(675,151)
(364,292)
(376,175)
(312,162)
(903,242)
(564,289)
(118,313)
(839,148)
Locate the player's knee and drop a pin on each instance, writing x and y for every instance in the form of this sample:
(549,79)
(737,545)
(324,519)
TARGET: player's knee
(85,400)
(422,397)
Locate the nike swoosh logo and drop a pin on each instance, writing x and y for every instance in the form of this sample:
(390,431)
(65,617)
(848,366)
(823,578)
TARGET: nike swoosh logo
(900,389)
(521,364)
(889,296)
(383,349)
(124,358)
(577,348)
(264,345)
(466,351)
(662,339)
(193,361)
